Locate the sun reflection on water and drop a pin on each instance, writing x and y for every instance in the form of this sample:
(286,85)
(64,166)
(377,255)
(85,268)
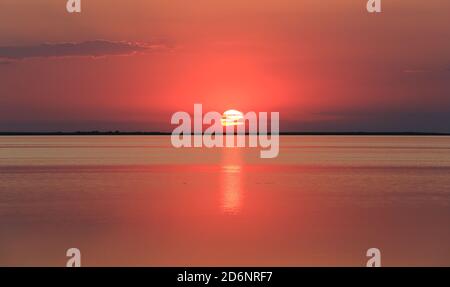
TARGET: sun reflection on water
(231,181)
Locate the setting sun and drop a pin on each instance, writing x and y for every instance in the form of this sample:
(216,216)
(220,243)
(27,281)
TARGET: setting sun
(232,118)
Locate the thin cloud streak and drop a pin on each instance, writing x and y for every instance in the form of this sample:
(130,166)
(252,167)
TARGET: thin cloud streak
(95,49)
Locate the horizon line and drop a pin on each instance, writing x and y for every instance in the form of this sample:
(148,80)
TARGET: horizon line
(137,133)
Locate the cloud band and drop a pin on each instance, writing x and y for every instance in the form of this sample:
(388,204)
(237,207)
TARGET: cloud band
(97,48)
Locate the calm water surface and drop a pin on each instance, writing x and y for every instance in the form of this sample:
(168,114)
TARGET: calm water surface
(136,201)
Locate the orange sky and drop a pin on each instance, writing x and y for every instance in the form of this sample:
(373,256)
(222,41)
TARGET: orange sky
(324,65)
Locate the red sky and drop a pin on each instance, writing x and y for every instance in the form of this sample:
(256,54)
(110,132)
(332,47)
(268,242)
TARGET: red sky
(324,65)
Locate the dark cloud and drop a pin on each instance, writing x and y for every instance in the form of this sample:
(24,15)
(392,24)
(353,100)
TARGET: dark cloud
(97,48)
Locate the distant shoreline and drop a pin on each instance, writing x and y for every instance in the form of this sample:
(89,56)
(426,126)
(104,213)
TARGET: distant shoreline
(119,133)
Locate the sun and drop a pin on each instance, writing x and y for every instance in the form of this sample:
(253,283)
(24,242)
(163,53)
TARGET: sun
(232,118)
